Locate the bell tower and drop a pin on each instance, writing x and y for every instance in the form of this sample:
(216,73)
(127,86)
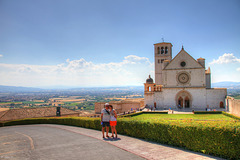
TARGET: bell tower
(162,51)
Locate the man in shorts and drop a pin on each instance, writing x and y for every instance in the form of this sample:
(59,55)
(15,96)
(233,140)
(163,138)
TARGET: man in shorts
(105,118)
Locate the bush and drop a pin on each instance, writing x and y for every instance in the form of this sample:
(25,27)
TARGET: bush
(208,112)
(143,112)
(222,140)
(230,115)
(85,122)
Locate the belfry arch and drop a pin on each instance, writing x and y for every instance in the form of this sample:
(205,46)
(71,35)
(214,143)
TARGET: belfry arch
(183,99)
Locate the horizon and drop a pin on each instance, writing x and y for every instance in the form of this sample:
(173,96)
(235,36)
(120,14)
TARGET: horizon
(93,43)
(81,87)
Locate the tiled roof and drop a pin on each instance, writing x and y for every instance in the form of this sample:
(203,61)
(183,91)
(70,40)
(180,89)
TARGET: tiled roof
(14,114)
(2,113)
(208,71)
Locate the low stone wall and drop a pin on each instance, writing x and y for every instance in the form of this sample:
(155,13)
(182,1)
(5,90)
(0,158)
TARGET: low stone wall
(121,106)
(233,106)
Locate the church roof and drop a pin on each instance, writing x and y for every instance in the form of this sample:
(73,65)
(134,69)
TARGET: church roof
(182,50)
(200,58)
(149,80)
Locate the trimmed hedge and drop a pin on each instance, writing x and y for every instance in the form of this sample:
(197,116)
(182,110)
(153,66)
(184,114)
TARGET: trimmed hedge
(208,112)
(143,112)
(93,123)
(218,141)
(230,115)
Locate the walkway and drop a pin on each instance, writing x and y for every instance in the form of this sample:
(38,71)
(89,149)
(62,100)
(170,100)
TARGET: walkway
(138,147)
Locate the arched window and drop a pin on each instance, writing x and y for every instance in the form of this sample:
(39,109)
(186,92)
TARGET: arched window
(158,50)
(166,50)
(162,50)
(221,104)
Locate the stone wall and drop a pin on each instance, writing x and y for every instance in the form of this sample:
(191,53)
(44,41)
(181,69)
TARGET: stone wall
(233,106)
(200,97)
(215,96)
(167,98)
(171,79)
(98,107)
(21,113)
(149,98)
(121,106)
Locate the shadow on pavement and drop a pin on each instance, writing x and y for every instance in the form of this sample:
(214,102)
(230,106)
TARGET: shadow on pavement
(111,139)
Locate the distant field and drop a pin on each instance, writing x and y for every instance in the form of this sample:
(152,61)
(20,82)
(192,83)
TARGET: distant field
(3,109)
(114,98)
(68,99)
(8,103)
(31,102)
(72,100)
(72,104)
(237,97)
(22,102)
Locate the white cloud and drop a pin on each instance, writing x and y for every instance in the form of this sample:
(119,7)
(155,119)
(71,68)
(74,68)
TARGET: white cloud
(132,70)
(226,58)
(238,69)
(1,55)
(132,59)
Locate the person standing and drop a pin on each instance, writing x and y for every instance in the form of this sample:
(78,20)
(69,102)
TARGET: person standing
(113,120)
(105,118)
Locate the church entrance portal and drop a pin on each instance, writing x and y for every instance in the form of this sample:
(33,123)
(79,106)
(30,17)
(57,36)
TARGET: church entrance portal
(183,99)
(180,102)
(187,102)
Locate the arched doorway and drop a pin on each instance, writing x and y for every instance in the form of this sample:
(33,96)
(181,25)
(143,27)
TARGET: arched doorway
(221,104)
(187,102)
(183,99)
(180,102)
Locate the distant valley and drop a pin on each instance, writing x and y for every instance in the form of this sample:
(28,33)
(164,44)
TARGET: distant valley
(12,89)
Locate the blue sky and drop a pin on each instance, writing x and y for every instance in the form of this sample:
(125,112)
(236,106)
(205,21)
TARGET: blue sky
(107,43)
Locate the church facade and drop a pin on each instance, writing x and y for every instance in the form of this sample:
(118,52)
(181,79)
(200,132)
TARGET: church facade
(181,82)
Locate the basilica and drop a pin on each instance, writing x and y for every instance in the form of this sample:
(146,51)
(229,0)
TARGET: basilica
(181,82)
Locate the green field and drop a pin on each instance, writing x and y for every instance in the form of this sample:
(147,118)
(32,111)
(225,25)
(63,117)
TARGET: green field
(31,102)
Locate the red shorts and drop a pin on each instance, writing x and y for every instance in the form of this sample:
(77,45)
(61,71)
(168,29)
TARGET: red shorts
(113,123)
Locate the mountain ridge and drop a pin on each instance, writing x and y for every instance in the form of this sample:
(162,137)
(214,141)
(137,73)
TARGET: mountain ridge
(3,88)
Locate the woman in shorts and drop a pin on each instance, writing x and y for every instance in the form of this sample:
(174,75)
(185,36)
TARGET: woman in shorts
(113,121)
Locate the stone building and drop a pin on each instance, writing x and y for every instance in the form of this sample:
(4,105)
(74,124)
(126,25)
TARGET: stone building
(121,106)
(181,82)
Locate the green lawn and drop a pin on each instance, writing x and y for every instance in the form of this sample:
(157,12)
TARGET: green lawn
(198,120)
(198,117)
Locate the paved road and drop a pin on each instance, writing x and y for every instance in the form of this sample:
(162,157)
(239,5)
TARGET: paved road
(48,141)
(39,142)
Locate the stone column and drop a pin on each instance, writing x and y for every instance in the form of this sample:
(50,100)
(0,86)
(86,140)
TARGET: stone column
(183,102)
